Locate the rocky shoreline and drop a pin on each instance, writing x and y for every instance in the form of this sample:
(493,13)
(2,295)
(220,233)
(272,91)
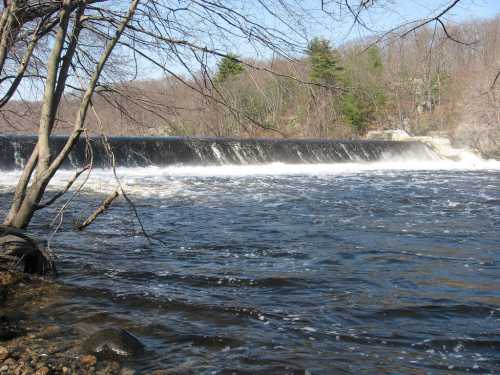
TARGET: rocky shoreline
(37,348)
(31,341)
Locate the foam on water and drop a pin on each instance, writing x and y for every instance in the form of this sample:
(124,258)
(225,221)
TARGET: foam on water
(101,179)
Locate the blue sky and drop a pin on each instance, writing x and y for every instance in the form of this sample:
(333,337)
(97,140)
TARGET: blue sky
(385,15)
(465,9)
(475,9)
(397,12)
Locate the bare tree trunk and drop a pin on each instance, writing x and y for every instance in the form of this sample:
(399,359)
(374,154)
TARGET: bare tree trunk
(99,211)
(8,30)
(18,216)
(27,201)
(22,186)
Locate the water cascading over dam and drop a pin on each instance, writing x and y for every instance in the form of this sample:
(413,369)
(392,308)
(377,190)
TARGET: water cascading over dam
(163,151)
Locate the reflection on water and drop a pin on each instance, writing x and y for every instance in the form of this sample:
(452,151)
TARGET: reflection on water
(323,268)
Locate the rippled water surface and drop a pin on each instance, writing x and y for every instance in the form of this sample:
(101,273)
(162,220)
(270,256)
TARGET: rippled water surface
(319,270)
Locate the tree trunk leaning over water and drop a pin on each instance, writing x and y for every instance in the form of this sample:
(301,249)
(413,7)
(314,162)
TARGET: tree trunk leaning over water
(42,164)
(18,248)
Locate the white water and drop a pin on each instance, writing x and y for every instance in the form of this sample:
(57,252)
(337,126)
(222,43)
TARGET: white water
(102,180)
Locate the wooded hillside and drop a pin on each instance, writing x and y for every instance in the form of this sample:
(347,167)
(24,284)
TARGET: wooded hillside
(424,82)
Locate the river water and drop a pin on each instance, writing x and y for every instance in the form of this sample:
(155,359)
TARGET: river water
(365,268)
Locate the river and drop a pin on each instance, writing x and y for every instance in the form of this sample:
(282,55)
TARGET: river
(357,268)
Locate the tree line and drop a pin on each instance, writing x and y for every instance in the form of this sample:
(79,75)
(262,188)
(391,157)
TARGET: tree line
(423,83)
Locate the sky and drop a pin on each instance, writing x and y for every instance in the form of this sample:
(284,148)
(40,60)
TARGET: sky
(474,9)
(397,12)
(465,9)
(339,29)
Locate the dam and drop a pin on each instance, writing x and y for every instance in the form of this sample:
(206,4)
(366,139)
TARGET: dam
(164,151)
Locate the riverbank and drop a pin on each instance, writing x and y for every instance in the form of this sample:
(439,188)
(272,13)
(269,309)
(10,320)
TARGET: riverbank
(37,346)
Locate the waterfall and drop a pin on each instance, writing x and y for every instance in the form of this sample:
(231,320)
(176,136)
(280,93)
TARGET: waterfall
(18,159)
(164,151)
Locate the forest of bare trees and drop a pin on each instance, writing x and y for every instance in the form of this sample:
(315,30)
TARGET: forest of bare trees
(424,82)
